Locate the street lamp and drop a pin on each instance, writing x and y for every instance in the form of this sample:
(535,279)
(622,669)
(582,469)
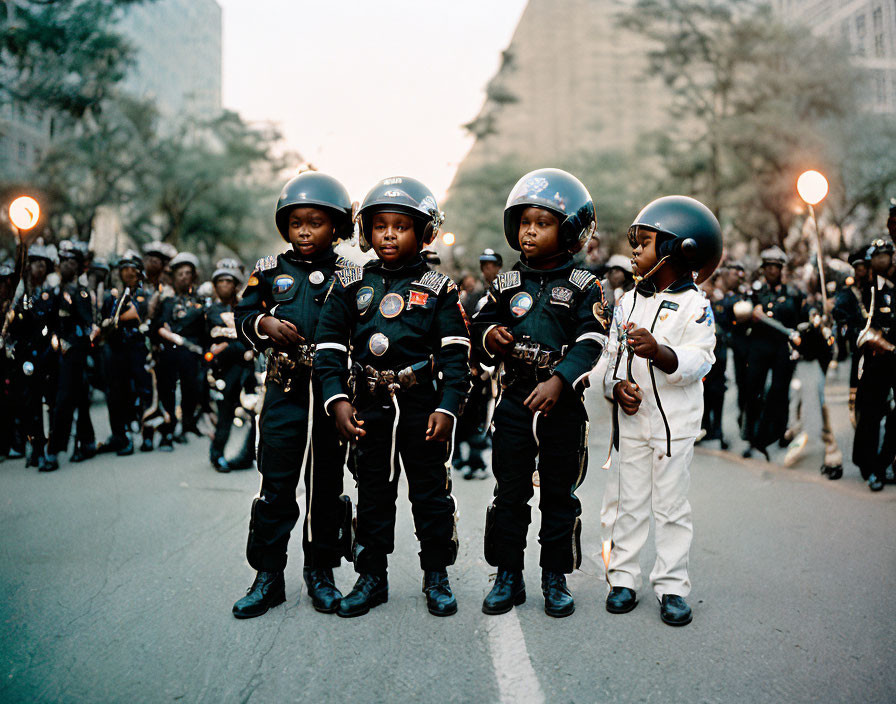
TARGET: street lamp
(24,212)
(813,187)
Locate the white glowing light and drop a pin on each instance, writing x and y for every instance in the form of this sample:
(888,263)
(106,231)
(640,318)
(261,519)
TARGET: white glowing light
(24,212)
(448,239)
(812,187)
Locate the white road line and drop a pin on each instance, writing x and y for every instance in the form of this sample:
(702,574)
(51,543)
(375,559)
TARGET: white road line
(513,669)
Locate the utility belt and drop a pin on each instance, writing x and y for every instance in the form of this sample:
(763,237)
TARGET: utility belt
(372,381)
(286,368)
(531,361)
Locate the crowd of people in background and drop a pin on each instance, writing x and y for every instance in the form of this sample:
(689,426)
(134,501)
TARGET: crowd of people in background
(161,346)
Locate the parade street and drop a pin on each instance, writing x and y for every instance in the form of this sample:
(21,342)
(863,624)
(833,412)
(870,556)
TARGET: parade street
(119,574)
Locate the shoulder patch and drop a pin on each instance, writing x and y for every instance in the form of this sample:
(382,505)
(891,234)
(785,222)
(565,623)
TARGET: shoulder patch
(265,263)
(349,275)
(508,279)
(582,278)
(343,263)
(432,280)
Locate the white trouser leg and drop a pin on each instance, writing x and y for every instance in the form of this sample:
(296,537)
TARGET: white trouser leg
(672,516)
(629,525)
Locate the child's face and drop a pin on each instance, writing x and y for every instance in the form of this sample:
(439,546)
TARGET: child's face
(310,230)
(644,256)
(183,278)
(539,233)
(129,276)
(772,274)
(393,237)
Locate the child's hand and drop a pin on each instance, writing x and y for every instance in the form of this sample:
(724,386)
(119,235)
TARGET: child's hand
(643,343)
(629,396)
(281,332)
(499,341)
(439,428)
(545,395)
(347,422)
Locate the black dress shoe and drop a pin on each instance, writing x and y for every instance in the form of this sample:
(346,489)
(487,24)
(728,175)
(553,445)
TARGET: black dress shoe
(370,590)
(146,445)
(48,463)
(748,453)
(439,599)
(621,600)
(322,589)
(509,591)
(83,452)
(166,444)
(558,601)
(127,450)
(267,591)
(834,472)
(219,463)
(874,483)
(674,610)
(241,462)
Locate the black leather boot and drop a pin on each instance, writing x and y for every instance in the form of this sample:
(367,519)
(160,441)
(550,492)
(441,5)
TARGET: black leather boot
(218,461)
(509,591)
(439,599)
(621,600)
(83,451)
(874,483)
(370,590)
(674,610)
(166,444)
(267,591)
(322,589)
(558,601)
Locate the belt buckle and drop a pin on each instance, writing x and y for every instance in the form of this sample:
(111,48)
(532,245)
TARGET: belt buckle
(407,378)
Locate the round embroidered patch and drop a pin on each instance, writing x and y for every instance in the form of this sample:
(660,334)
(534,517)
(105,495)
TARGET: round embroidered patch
(378,344)
(253,281)
(316,277)
(364,299)
(391,305)
(520,304)
(283,283)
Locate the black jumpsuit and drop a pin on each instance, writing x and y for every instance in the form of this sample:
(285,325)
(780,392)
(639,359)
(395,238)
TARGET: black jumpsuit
(293,289)
(562,311)
(392,320)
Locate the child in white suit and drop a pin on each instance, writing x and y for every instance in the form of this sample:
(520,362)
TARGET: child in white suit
(660,348)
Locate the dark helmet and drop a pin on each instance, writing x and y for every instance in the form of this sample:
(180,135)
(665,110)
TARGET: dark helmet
(690,232)
(401,194)
(69,249)
(561,193)
(859,256)
(313,188)
(880,246)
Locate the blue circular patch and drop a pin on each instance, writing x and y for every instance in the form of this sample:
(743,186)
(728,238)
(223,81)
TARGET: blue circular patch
(391,305)
(283,283)
(364,298)
(520,304)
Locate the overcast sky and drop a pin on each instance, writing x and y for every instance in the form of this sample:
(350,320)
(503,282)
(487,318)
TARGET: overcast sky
(367,88)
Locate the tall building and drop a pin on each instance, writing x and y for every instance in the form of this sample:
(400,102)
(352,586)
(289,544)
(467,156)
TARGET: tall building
(178,47)
(868,28)
(570,80)
(178,64)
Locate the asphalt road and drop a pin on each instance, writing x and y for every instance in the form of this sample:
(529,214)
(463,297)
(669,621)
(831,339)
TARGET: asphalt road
(118,576)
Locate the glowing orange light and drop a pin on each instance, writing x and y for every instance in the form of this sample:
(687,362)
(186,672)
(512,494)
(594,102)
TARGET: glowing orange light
(209,356)
(448,239)
(24,212)
(812,187)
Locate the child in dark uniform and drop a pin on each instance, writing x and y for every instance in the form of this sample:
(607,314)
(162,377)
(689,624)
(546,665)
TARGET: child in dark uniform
(410,350)
(544,320)
(278,315)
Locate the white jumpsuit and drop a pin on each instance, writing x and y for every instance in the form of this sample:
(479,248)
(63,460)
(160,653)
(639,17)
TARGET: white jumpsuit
(656,444)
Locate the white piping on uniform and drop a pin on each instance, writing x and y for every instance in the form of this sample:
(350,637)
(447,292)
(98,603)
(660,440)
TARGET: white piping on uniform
(596,336)
(576,382)
(255,326)
(331,399)
(331,346)
(484,335)
(456,341)
(308,452)
(535,428)
(394,437)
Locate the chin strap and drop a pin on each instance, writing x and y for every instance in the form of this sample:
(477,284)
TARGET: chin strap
(644,284)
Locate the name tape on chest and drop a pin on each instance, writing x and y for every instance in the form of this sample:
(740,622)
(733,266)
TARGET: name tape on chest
(432,280)
(581,278)
(265,263)
(349,275)
(508,279)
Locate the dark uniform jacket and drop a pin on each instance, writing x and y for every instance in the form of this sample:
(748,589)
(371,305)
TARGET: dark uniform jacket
(74,314)
(391,320)
(561,310)
(126,329)
(275,288)
(185,315)
(784,303)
